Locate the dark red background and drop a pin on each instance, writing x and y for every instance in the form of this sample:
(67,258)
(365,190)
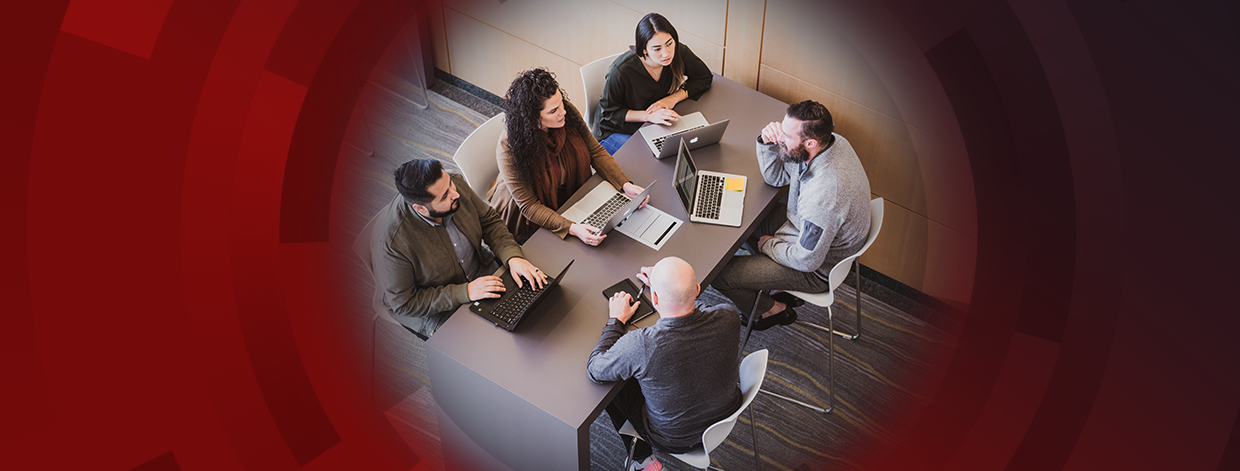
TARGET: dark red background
(169,302)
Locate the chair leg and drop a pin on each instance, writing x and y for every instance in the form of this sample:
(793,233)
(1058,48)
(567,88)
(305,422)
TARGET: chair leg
(753,315)
(753,425)
(830,372)
(628,462)
(857,265)
(855,336)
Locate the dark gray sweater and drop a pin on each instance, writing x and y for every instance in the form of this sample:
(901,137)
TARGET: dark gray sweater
(686,367)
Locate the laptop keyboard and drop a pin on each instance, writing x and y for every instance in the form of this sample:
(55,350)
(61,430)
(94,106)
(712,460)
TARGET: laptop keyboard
(658,141)
(511,308)
(607,210)
(710,196)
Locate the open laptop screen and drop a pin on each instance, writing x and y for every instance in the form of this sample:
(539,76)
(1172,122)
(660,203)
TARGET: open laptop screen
(686,177)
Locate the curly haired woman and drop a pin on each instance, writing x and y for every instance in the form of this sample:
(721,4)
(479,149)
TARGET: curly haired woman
(544,156)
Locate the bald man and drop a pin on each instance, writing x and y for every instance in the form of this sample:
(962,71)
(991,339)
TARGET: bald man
(685,365)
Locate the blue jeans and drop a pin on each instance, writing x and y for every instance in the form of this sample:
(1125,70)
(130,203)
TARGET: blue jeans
(613,142)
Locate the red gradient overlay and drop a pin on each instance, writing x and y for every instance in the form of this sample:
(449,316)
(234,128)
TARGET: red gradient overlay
(166,170)
(129,25)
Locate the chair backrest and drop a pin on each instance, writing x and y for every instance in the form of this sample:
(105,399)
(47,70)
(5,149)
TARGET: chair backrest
(840,270)
(476,156)
(362,248)
(593,76)
(753,370)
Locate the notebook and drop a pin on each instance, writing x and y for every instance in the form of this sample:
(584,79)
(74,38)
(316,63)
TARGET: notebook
(508,310)
(644,308)
(604,207)
(710,197)
(664,140)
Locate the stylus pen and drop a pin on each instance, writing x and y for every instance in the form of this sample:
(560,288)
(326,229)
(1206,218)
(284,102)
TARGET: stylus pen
(639,299)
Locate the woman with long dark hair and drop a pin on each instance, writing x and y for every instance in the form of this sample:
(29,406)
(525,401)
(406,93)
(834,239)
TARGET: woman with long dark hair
(544,156)
(645,83)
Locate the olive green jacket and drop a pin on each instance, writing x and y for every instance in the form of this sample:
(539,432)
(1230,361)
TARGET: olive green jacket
(415,264)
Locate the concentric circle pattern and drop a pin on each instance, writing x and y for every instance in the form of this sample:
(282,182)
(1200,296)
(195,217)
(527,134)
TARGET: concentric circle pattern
(168,289)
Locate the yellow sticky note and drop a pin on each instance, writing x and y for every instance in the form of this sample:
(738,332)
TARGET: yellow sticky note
(736,184)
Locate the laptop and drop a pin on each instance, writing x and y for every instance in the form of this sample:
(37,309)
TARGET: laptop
(508,310)
(710,197)
(604,207)
(664,140)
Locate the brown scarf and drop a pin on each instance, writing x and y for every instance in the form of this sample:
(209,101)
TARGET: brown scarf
(567,148)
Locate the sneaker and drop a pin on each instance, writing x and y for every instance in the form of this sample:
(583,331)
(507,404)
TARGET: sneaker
(649,464)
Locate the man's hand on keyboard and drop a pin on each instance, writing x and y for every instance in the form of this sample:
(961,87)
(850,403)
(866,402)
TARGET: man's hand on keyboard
(522,268)
(485,287)
(632,191)
(587,233)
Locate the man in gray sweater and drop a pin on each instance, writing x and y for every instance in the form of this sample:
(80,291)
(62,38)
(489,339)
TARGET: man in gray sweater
(685,365)
(827,218)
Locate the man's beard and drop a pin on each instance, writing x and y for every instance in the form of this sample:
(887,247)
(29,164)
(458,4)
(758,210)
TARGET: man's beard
(438,214)
(793,156)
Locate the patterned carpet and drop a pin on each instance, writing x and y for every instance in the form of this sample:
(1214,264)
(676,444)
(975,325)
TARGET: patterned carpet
(882,381)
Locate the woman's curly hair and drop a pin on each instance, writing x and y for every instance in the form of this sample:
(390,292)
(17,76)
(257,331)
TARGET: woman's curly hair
(522,106)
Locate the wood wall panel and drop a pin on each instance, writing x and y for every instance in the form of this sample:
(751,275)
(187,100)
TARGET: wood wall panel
(928,175)
(579,31)
(711,54)
(883,144)
(951,264)
(947,178)
(924,255)
(743,45)
(868,33)
(490,58)
(900,249)
(439,37)
(799,41)
(705,19)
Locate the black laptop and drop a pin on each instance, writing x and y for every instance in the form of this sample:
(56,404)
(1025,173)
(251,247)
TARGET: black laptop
(508,310)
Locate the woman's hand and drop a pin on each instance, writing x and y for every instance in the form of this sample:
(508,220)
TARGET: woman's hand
(632,191)
(667,103)
(587,233)
(664,116)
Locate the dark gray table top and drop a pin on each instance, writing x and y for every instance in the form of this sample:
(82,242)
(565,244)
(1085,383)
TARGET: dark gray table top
(543,360)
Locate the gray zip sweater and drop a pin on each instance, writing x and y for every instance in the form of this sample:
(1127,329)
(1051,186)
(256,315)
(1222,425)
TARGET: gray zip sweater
(686,367)
(828,207)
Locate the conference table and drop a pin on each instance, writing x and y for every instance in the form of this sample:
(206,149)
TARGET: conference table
(522,399)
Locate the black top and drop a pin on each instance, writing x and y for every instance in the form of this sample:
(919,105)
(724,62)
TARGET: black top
(630,87)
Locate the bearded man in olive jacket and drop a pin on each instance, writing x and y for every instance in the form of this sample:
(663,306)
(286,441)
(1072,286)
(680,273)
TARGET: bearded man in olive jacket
(428,248)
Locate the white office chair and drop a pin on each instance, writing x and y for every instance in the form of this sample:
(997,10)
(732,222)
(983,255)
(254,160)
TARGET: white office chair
(835,279)
(476,156)
(593,76)
(362,248)
(752,372)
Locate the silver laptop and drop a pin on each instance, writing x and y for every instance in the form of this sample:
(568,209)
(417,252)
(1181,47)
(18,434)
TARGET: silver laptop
(711,197)
(664,140)
(604,207)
